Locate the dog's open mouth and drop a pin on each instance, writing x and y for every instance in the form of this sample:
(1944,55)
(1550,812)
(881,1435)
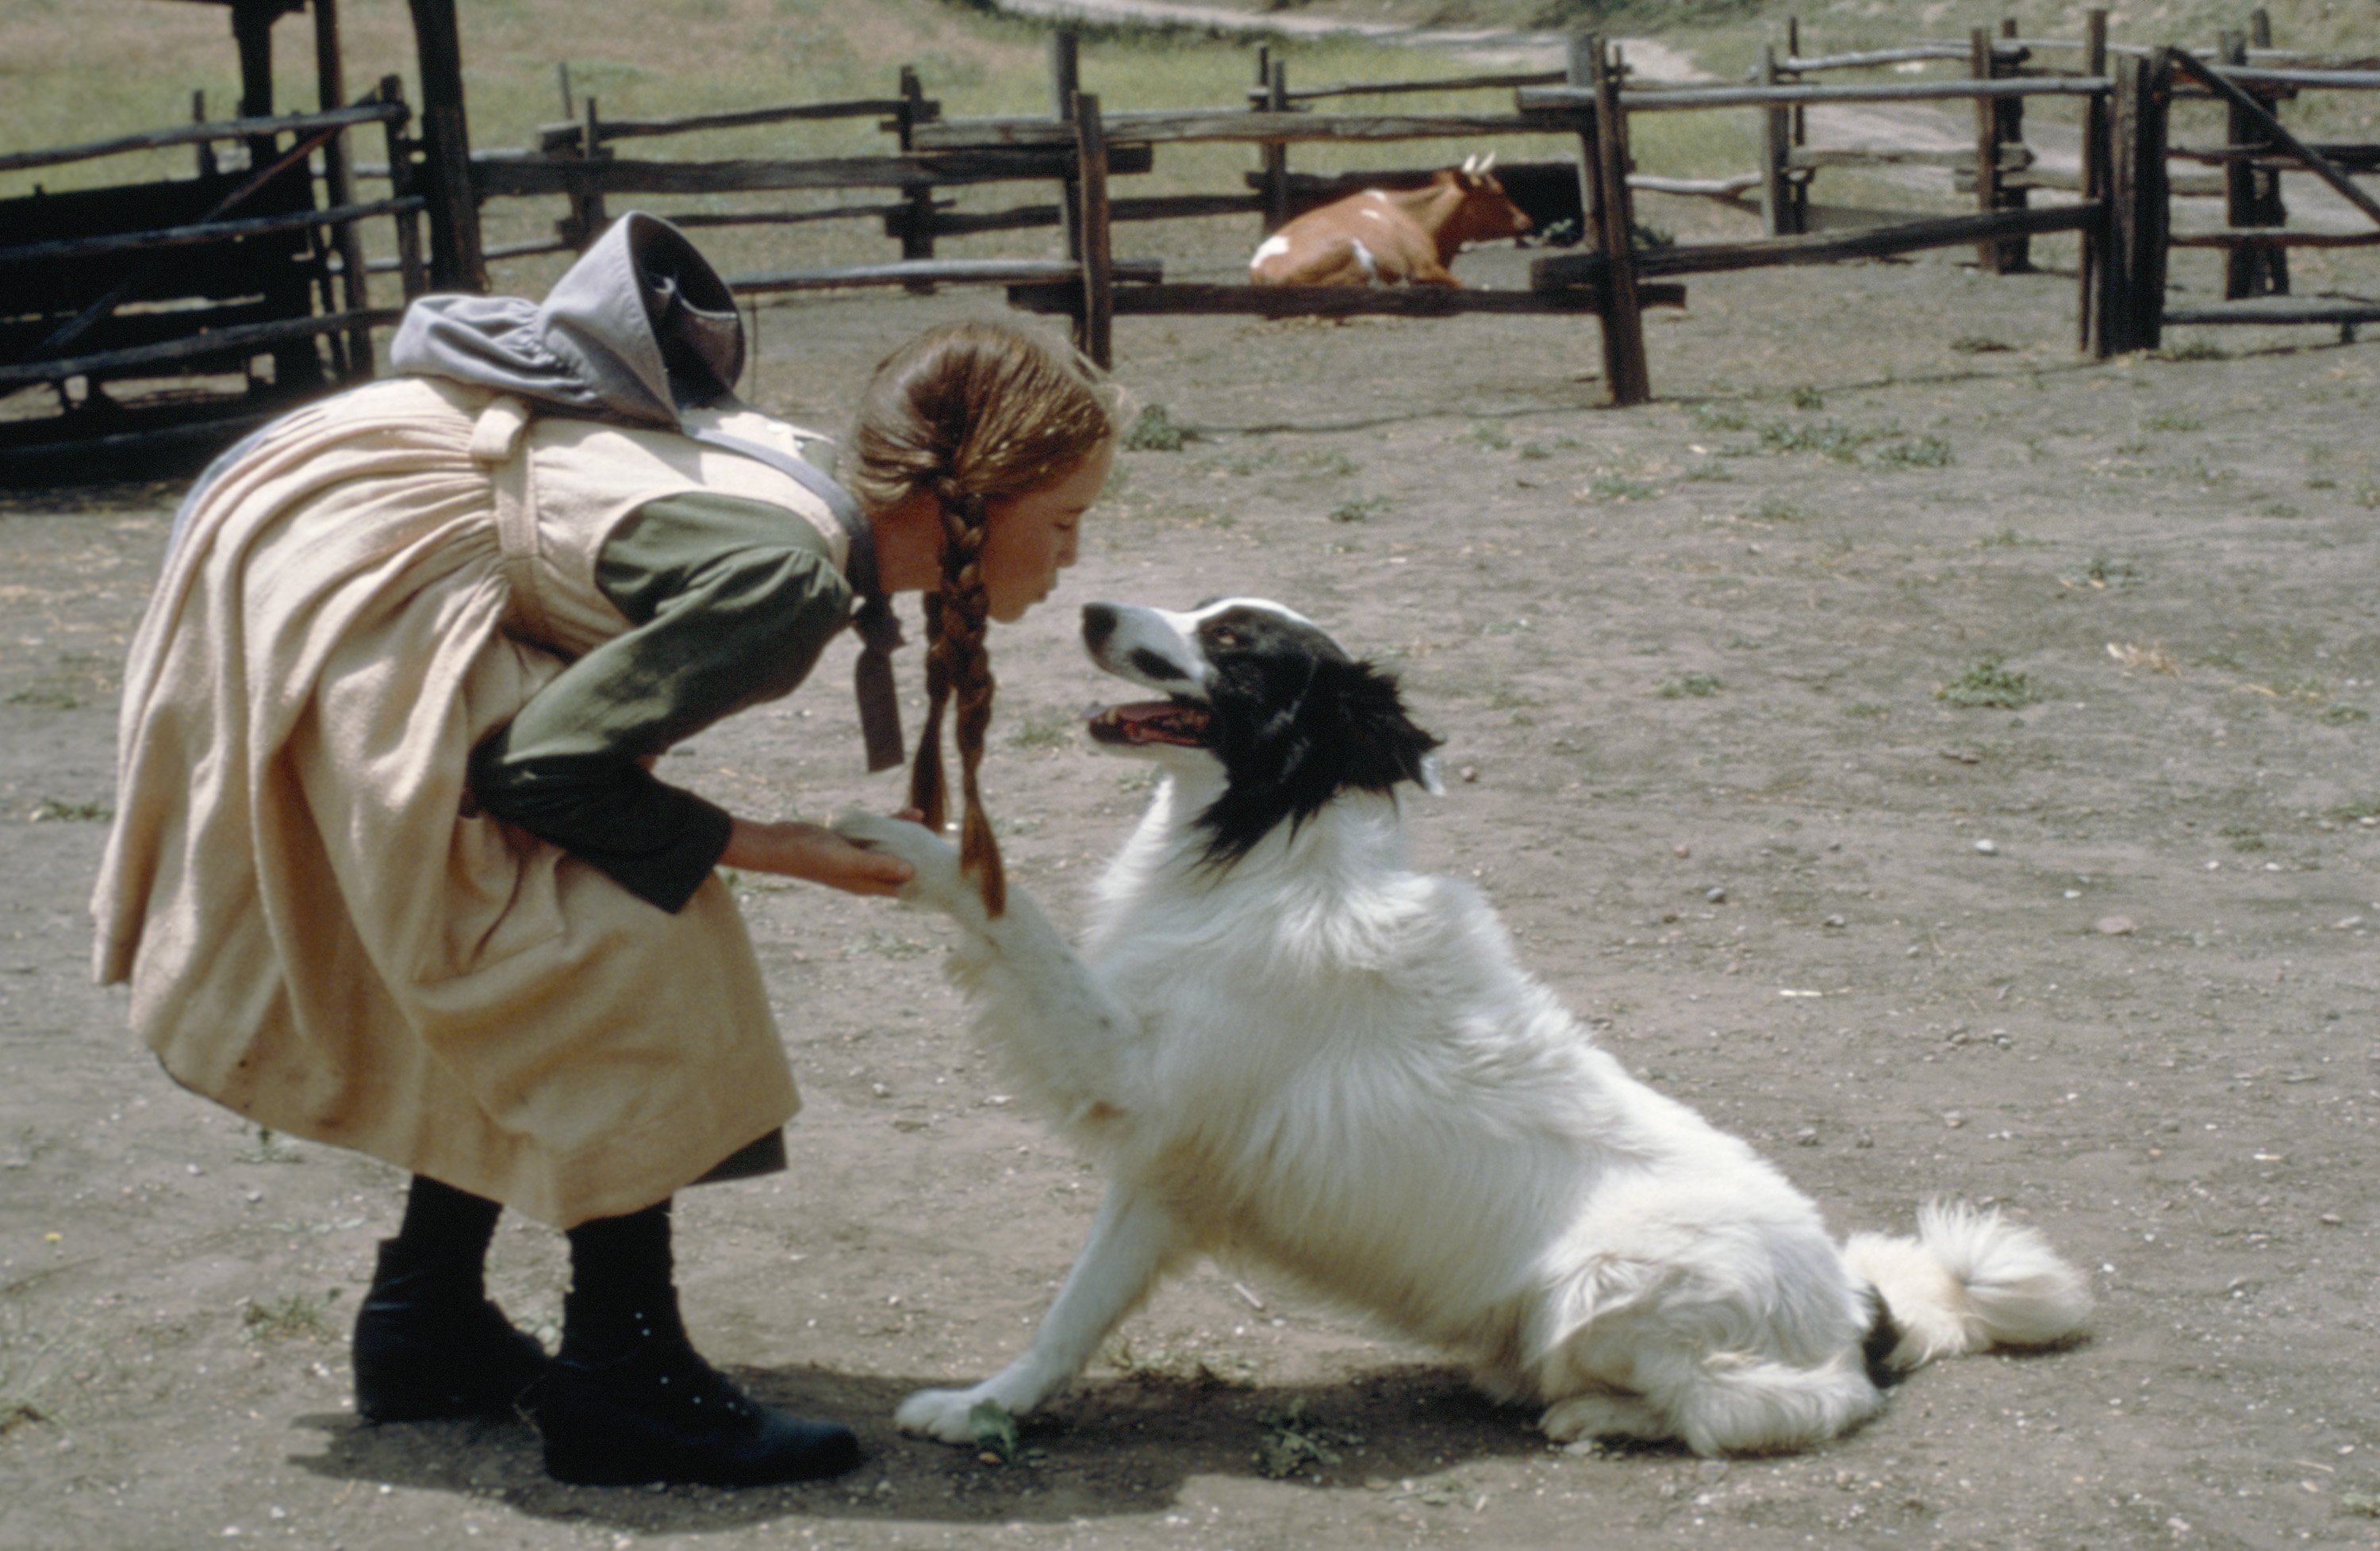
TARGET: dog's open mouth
(1151,721)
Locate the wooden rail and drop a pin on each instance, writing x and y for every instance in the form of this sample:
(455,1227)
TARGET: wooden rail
(195,134)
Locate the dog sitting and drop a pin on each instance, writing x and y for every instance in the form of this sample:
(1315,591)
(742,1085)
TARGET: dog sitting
(1284,1046)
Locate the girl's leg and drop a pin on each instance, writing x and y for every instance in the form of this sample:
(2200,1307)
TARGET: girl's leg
(428,1342)
(629,1401)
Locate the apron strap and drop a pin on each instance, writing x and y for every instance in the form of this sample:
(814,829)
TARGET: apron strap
(495,445)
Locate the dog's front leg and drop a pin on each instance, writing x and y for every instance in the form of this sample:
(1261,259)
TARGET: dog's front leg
(1133,1240)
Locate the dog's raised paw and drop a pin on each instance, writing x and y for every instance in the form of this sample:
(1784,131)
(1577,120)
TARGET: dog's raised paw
(935,860)
(944,1415)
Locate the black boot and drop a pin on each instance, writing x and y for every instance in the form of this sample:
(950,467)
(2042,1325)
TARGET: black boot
(429,1345)
(630,1401)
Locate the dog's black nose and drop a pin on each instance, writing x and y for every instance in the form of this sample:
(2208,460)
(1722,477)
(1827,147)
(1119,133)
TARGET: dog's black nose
(1099,623)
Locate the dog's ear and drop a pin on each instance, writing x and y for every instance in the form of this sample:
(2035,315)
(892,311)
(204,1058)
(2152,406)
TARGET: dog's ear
(1379,744)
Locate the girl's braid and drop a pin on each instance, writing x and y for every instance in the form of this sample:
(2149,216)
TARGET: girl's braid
(957,663)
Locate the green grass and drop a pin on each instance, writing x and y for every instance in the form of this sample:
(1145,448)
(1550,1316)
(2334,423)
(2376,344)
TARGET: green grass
(1692,686)
(1155,431)
(293,1317)
(1989,685)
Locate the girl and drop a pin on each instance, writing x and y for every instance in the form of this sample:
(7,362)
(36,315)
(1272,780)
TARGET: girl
(389,869)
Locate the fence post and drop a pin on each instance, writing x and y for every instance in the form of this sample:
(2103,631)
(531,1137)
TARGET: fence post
(339,188)
(402,184)
(917,220)
(1800,128)
(1096,323)
(2016,253)
(2092,270)
(1066,81)
(1276,152)
(1775,136)
(2251,195)
(457,261)
(1624,373)
(2138,217)
(1988,147)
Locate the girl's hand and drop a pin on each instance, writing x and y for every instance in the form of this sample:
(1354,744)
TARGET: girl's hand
(814,853)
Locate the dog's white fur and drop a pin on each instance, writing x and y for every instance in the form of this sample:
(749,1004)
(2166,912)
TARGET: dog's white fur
(1321,1061)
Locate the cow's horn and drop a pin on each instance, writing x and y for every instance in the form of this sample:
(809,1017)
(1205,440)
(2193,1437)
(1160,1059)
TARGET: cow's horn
(1471,163)
(1487,162)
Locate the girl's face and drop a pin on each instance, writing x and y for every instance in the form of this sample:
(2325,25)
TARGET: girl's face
(1030,538)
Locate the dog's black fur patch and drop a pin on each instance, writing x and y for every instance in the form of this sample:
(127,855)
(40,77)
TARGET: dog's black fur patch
(1296,722)
(1883,1335)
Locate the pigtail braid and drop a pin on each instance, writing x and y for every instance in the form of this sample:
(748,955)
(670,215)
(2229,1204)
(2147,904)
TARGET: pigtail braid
(958,665)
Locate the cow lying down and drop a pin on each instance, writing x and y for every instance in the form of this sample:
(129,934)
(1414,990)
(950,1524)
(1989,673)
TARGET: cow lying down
(1391,236)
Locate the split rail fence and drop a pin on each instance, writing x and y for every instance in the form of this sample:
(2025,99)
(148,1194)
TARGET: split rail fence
(2118,205)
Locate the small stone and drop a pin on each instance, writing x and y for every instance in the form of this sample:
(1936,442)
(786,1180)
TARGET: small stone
(1682,850)
(1954,1120)
(1987,848)
(1835,921)
(2115,926)
(1469,772)
(2350,924)
(1716,896)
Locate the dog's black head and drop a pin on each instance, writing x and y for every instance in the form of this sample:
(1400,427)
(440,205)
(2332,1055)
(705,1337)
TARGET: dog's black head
(1289,717)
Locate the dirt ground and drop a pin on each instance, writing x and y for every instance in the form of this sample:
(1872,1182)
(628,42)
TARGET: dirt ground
(2104,955)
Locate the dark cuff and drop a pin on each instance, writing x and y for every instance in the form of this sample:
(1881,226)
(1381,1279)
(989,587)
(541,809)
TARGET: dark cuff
(656,840)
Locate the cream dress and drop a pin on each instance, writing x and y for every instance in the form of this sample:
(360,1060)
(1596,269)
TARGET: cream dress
(318,930)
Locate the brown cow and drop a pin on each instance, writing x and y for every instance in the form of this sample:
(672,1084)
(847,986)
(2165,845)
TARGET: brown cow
(1385,237)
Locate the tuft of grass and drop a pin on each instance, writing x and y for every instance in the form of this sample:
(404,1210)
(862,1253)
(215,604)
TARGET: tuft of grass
(1183,1367)
(1359,508)
(1804,396)
(997,1441)
(1924,451)
(1490,437)
(1289,1442)
(1155,431)
(51,809)
(1977,345)
(1616,487)
(1867,709)
(2173,419)
(1778,509)
(1693,687)
(293,1317)
(1037,732)
(2342,714)
(2192,350)
(1989,683)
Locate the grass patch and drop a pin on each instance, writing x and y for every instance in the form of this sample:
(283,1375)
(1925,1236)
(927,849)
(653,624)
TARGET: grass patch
(51,810)
(2173,420)
(293,1317)
(1039,731)
(1183,1367)
(1989,683)
(1618,487)
(1867,710)
(1155,431)
(1291,1443)
(1359,508)
(1977,345)
(1490,437)
(2343,715)
(1924,451)
(1693,687)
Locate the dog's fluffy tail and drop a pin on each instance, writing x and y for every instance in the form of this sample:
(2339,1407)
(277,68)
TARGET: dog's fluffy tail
(1969,1281)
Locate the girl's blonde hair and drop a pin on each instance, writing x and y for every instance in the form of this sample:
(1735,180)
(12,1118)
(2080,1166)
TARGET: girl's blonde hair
(973,413)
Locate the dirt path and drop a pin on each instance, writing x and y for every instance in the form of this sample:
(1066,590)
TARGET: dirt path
(1701,669)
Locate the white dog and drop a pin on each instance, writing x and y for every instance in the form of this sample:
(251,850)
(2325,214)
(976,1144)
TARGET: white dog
(1285,1047)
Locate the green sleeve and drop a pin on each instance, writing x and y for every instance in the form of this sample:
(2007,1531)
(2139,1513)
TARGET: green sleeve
(730,602)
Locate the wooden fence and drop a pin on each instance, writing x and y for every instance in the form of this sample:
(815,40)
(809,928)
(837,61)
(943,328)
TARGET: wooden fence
(2118,209)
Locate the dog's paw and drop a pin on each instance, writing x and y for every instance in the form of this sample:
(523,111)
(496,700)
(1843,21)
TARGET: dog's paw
(944,1415)
(1603,1416)
(939,883)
